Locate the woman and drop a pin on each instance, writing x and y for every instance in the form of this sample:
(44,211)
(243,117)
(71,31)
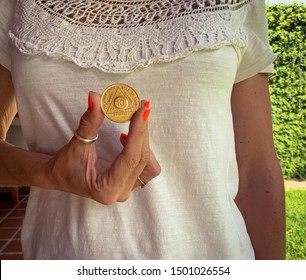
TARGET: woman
(203,65)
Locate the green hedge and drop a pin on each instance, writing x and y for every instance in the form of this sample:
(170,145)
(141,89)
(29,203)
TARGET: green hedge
(295,225)
(287,31)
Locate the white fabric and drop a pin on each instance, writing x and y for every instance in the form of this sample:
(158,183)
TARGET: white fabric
(188,212)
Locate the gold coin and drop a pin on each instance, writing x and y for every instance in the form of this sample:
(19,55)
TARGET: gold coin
(119,102)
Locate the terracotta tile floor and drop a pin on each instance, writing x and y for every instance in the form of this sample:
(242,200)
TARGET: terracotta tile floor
(11,216)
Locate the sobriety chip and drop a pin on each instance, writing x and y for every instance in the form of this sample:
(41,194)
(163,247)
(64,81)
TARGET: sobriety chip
(119,102)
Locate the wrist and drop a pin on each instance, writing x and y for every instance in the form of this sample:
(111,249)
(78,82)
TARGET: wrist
(22,167)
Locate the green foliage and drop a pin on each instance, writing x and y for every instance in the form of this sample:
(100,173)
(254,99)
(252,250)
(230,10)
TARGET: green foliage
(296,224)
(287,31)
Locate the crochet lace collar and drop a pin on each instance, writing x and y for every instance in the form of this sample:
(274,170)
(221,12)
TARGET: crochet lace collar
(119,36)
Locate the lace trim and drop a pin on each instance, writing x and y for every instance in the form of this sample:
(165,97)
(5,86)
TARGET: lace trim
(119,36)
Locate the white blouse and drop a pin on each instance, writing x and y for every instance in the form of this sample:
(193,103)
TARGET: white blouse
(183,56)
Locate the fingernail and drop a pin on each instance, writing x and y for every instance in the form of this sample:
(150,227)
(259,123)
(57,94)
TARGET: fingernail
(124,136)
(146,115)
(147,104)
(90,103)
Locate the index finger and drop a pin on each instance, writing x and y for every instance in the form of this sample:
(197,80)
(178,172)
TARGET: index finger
(132,160)
(138,133)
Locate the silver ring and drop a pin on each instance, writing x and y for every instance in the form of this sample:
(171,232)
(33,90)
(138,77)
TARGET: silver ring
(85,140)
(142,182)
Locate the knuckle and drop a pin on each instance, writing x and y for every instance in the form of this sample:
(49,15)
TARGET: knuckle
(111,198)
(133,161)
(145,157)
(84,121)
(138,159)
(123,198)
(88,123)
(156,170)
(109,193)
(105,192)
(107,199)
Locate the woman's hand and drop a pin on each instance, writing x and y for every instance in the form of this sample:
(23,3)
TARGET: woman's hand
(77,169)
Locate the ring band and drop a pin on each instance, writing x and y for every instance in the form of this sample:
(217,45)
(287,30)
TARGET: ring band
(85,140)
(142,182)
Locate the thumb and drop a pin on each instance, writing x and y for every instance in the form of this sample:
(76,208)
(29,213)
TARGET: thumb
(93,118)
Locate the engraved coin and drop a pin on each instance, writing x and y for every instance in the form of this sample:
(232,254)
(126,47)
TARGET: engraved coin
(119,102)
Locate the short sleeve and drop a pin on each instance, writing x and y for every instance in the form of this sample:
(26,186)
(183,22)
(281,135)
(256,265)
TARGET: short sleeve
(6,21)
(257,56)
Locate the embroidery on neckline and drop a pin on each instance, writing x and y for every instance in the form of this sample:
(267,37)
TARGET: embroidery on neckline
(129,13)
(120,36)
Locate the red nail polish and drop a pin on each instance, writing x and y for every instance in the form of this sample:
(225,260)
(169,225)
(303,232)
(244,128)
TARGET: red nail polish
(124,136)
(146,115)
(147,104)
(90,103)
